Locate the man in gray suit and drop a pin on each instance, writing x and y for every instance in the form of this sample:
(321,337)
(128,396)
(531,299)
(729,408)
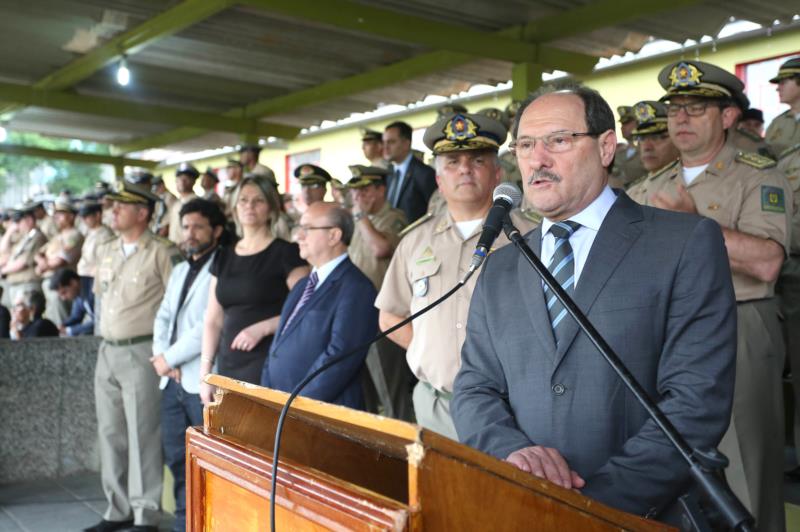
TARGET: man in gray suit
(532,389)
(177,332)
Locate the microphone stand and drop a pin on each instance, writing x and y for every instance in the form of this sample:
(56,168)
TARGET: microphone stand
(705,467)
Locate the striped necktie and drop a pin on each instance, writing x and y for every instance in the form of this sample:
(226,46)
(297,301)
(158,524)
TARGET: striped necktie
(308,291)
(562,266)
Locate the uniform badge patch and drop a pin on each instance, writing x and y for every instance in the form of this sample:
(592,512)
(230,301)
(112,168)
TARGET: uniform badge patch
(772,199)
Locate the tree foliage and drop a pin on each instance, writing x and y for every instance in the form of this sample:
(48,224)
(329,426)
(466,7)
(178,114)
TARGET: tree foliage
(55,175)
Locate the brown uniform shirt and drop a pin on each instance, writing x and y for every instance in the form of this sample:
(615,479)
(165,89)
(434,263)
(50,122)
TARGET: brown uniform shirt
(749,143)
(130,289)
(48,227)
(389,222)
(783,132)
(174,217)
(789,164)
(66,245)
(27,247)
(87,266)
(743,192)
(430,259)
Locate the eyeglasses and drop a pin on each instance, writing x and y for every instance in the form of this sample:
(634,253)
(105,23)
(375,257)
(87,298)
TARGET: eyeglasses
(691,108)
(557,142)
(307,228)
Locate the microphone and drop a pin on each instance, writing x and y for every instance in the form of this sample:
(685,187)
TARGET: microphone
(506,197)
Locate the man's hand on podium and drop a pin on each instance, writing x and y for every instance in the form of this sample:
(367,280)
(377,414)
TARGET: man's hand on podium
(547,463)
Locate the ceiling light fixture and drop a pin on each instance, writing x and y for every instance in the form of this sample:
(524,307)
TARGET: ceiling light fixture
(123,74)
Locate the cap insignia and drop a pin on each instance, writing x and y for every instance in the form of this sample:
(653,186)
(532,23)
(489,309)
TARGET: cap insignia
(460,128)
(685,75)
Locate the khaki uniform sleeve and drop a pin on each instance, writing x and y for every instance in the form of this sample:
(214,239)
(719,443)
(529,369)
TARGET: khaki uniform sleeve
(767,207)
(395,294)
(391,227)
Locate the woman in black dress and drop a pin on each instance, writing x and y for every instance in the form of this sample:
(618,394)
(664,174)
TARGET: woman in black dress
(249,284)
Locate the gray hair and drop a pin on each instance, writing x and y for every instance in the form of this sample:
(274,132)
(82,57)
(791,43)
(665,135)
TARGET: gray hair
(34,299)
(341,218)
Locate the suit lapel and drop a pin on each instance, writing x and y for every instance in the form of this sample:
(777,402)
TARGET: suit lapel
(615,238)
(317,296)
(533,296)
(200,275)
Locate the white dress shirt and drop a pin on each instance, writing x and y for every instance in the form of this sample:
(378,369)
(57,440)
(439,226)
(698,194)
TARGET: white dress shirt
(326,269)
(590,218)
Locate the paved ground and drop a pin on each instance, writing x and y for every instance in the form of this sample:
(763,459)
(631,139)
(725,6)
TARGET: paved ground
(67,505)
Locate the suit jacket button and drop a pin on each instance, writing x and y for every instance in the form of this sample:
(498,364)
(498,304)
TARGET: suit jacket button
(559,389)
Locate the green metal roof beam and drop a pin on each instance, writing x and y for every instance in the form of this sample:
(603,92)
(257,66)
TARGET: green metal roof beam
(406,28)
(167,23)
(111,107)
(171,21)
(75,156)
(594,16)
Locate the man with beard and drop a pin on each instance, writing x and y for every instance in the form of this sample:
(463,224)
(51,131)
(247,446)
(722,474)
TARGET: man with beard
(177,334)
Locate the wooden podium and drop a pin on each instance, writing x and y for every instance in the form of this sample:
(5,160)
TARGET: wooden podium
(341,469)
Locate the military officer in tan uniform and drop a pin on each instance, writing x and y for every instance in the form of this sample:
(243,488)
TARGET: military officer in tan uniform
(19,270)
(234,174)
(372,147)
(627,163)
(784,131)
(96,233)
(434,255)
(655,146)
(185,178)
(248,156)
(9,239)
(752,202)
(62,251)
(377,233)
(159,225)
(132,274)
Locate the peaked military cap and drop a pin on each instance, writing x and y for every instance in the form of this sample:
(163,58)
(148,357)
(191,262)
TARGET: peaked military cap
(625,113)
(512,109)
(157,180)
(89,207)
(450,109)
(187,169)
(211,173)
(650,116)
(790,69)
(24,208)
(126,192)
(235,162)
(140,178)
(696,78)
(753,114)
(462,132)
(366,175)
(64,205)
(311,174)
(371,134)
(496,114)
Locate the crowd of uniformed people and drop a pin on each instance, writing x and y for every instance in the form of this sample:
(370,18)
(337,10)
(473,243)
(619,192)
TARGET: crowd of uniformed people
(179,286)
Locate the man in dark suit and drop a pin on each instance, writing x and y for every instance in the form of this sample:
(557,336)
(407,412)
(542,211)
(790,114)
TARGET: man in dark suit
(532,389)
(328,313)
(76,291)
(411,182)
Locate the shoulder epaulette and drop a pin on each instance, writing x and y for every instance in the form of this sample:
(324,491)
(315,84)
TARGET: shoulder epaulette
(410,227)
(163,240)
(788,151)
(663,169)
(636,182)
(755,160)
